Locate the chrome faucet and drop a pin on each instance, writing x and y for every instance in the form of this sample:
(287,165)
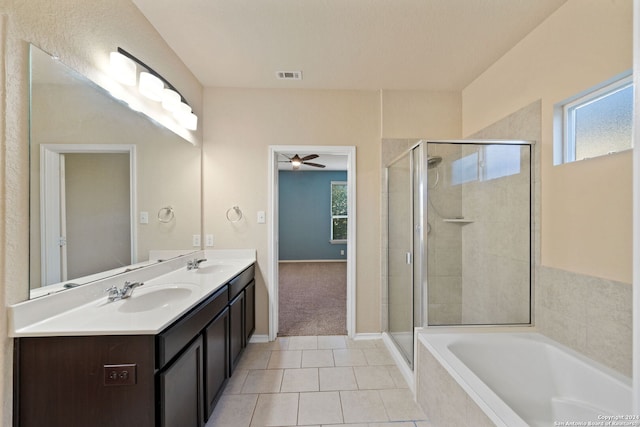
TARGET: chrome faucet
(194,264)
(115,294)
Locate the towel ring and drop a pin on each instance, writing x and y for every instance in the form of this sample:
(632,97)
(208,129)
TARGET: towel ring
(234,214)
(166,214)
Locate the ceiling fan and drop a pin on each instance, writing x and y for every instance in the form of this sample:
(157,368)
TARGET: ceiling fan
(297,161)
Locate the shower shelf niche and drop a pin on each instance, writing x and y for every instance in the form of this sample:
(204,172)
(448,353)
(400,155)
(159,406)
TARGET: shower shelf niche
(460,221)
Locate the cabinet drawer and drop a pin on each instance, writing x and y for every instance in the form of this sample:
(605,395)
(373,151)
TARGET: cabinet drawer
(172,340)
(240,281)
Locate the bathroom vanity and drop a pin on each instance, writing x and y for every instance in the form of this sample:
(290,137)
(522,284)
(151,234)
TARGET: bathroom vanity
(158,358)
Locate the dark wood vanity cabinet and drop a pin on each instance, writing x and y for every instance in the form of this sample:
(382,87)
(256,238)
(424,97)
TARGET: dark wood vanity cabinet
(174,378)
(250,310)
(62,381)
(241,313)
(181,389)
(216,339)
(236,335)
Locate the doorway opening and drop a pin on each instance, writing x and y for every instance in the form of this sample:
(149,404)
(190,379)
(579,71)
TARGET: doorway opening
(86,200)
(308,273)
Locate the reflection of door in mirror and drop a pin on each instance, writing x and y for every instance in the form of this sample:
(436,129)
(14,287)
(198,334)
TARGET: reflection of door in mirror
(86,203)
(67,109)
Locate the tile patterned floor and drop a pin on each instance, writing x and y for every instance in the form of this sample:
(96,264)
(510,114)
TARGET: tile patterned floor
(317,381)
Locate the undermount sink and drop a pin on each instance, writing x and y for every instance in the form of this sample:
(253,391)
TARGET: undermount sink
(156,297)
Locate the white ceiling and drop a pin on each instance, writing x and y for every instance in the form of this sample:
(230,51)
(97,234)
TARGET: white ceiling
(343,44)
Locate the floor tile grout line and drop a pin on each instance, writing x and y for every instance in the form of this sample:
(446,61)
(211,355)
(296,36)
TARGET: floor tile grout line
(253,413)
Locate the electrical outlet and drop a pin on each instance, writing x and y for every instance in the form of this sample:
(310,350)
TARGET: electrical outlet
(209,240)
(120,374)
(196,240)
(341,251)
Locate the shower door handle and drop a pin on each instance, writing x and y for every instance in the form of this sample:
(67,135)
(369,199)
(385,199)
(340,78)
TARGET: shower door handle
(408,257)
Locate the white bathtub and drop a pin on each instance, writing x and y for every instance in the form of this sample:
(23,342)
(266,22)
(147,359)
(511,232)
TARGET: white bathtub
(526,379)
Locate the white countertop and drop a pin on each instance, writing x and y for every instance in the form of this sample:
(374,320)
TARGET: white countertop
(85,310)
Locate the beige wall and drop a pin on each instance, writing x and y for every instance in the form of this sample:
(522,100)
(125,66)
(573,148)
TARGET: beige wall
(586,206)
(242,123)
(421,114)
(82,33)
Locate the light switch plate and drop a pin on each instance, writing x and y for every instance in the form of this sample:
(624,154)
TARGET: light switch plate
(144,217)
(262,218)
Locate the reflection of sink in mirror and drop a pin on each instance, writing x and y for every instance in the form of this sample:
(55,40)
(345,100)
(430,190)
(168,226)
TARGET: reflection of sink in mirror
(218,266)
(156,297)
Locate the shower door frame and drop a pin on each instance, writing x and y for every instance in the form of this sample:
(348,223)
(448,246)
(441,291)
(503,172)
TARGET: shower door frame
(417,157)
(419,179)
(532,229)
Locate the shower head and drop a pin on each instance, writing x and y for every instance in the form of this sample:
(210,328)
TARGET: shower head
(433,161)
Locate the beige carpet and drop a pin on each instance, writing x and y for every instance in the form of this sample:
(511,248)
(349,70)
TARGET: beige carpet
(312,298)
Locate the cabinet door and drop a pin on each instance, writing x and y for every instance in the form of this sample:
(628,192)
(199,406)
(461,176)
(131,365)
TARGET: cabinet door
(250,310)
(236,329)
(217,359)
(181,392)
(60,382)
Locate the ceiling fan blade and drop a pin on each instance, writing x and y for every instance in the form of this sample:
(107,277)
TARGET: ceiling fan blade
(309,157)
(317,165)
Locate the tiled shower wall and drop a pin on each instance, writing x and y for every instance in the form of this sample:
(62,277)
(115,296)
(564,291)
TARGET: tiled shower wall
(444,239)
(496,254)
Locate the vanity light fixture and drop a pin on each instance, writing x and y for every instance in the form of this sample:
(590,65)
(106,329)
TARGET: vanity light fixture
(170,100)
(150,86)
(153,86)
(123,69)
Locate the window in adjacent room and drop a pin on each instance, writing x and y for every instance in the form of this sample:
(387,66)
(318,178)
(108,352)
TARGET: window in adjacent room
(596,123)
(338,212)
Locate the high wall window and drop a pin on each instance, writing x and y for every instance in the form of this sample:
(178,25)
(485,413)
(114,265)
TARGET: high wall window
(596,123)
(338,212)
(489,162)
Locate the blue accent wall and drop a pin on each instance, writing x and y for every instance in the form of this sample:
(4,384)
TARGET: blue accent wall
(305,215)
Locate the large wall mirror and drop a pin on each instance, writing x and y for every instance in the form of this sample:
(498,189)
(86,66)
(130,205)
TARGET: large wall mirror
(107,184)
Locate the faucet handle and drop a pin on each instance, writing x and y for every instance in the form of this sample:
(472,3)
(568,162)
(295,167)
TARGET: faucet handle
(113,293)
(194,264)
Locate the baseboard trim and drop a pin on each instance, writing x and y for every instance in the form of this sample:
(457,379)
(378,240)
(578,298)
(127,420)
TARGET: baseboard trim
(367,336)
(311,260)
(258,339)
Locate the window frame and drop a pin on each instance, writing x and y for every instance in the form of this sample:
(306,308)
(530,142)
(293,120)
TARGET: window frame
(568,115)
(331,239)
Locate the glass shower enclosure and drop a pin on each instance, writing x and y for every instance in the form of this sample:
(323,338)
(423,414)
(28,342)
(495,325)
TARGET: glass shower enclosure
(459,233)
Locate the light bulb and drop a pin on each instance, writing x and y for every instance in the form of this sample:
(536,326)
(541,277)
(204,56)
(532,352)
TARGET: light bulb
(170,100)
(189,121)
(181,110)
(150,86)
(123,69)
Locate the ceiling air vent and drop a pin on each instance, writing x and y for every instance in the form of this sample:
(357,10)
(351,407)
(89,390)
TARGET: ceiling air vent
(289,75)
